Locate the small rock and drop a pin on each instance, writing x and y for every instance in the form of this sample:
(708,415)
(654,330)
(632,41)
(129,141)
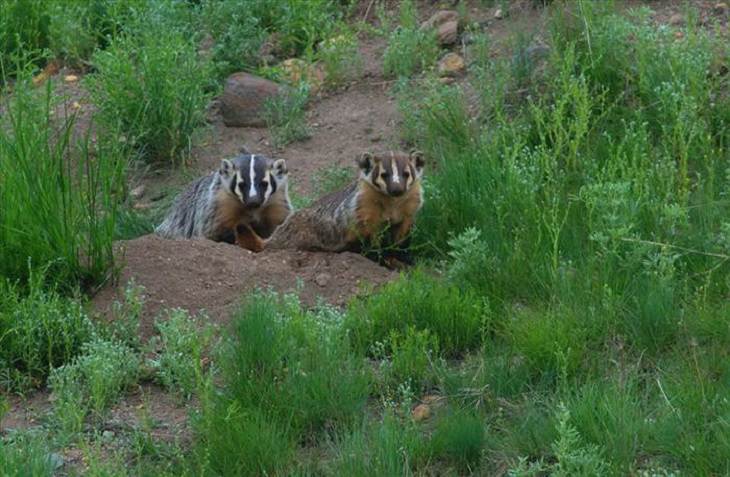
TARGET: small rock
(678,35)
(375,138)
(137,192)
(70,78)
(720,8)
(676,20)
(55,460)
(446,80)
(76,105)
(448,33)
(439,18)
(107,435)
(498,14)
(451,64)
(421,412)
(323,279)
(295,70)
(243,99)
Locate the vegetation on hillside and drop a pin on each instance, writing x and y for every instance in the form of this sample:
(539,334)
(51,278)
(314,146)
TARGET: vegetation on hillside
(568,315)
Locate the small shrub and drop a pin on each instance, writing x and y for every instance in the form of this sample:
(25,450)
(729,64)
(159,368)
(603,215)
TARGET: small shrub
(93,381)
(39,330)
(340,57)
(150,88)
(573,457)
(183,342)
(459,438)
(410,50)
(454,316)
(285,116)
(124,320)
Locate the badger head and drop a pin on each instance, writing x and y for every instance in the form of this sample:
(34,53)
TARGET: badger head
(253,178)
(392,173)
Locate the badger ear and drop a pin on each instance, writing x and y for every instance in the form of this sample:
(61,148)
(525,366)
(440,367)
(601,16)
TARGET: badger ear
(226,169)
(366,161)
(417,160)
(279,169)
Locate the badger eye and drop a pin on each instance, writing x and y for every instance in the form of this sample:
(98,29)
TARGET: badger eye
(264,184)
(384,175)
(406,174)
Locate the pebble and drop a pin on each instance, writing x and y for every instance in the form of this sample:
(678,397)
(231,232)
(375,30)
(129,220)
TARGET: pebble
(421,412)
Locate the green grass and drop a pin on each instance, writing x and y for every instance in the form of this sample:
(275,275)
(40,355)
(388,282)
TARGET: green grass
(60,196)
(151,90)
(453,316)
(569,312)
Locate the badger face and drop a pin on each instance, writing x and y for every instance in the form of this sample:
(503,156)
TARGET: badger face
(253,178)
(392,173)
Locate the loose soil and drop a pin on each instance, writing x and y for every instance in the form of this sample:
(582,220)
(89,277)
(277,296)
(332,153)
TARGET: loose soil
(210,277)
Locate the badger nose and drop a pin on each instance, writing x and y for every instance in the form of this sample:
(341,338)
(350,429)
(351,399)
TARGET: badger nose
(397,192)
(253,202)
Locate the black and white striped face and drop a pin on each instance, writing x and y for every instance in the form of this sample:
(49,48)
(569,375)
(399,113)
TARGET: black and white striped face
(254,178)
(392,173)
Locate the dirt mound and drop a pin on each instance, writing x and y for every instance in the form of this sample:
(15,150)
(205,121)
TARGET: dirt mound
(203,275)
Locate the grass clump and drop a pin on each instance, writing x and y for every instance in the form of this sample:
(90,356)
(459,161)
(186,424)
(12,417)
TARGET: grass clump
(459,438)
(410,50)
(24,454)
(453,316)
(150,88)
(285,370)
(285,116)
(390,446)
(60,196)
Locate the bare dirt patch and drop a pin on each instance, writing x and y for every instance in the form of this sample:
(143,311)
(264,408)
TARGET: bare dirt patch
(200,275)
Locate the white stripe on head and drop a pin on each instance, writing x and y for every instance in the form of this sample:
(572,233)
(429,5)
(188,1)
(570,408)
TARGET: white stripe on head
(269,179)
(394,166)
(252,178)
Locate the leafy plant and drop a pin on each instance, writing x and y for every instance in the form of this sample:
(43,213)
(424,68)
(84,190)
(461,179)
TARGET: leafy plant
(410,50)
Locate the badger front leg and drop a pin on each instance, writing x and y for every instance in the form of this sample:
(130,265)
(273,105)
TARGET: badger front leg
(248,239)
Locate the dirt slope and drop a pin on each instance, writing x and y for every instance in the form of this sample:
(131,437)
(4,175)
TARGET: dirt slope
(203,275)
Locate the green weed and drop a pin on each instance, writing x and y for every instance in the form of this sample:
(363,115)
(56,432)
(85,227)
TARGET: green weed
(24,29)
(39,330)
(340,57)
(184,340)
